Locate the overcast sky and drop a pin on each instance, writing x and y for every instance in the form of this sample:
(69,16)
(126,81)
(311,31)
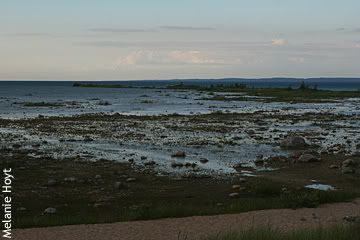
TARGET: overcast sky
(164,39)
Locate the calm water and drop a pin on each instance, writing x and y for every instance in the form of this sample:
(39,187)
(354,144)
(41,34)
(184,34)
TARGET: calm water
(13,95)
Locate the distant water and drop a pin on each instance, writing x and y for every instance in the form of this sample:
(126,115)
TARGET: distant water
(344,84)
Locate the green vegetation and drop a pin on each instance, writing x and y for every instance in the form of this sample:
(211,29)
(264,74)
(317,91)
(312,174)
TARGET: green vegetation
(350,232)
(304,93)
(92,85)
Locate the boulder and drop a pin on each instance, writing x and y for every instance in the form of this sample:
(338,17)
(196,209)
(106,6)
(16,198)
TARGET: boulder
(204,160)
(294,142)
(306,158)
(50,210)
(120,185)
(51,183)
(234,195)
(347,170)
(179,154)
(131,180)
(348,163)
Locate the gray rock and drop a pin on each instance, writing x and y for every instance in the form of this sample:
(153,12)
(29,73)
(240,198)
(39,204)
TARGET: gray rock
(352,219)
(294,142)
(234,195)
(120,185)
(70,179)
(51,183)
(306,158)
(50,210)
(131,180)
(349,163)
(204,160)
(348,170)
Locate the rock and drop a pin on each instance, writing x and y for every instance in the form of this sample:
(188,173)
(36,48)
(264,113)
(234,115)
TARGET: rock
(347,170)
(294,142)
(98,177)
(259,162)
(130,180)
(234,195)
(88,139)
(242,180)
(120,185)
(175,165)
(352,219)
(50,210)
(333,166)
(236,187)
(349,166)
(150,163)
(98,205)
(187,165)
(306,158)
(204,160)
(348,163)
(179,154)
(51,183)
(70,179)
(143,157)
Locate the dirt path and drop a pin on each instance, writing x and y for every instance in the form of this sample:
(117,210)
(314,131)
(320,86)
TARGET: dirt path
(195,227)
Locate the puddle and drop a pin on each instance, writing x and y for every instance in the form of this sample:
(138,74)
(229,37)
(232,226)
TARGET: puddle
(322,187)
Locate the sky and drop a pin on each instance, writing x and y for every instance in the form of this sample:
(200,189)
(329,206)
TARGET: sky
(164,39)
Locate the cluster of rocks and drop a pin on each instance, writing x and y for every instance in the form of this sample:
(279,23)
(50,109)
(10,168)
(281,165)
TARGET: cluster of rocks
(350,166)
(237,188)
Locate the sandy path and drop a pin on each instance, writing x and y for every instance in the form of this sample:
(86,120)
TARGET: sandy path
(195,227)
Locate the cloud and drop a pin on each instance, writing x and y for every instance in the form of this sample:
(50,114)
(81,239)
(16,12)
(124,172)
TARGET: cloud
(297,59)
(348,30)
(176,57)
(187,28)
(279,42)
(28,34)
(120,30)
(340,29)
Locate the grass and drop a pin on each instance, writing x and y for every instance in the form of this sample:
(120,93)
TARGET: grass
(350,232)
(160,210)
